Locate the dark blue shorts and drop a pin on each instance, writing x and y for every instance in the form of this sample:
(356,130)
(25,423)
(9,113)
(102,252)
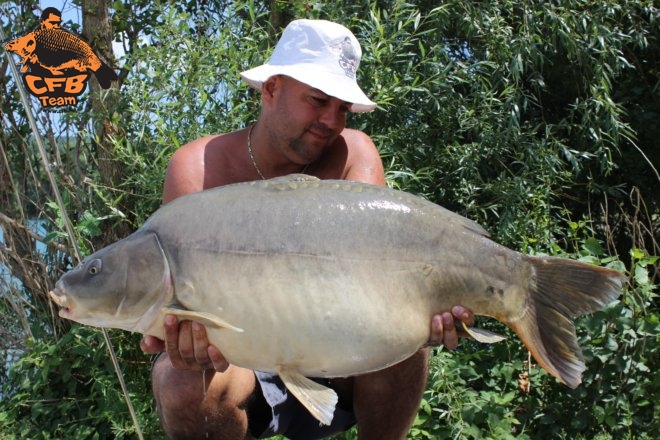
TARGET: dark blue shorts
(273,410)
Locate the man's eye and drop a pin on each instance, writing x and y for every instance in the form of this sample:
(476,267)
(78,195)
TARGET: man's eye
(319,101)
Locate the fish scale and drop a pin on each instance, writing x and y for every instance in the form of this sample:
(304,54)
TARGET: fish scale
(297,276)
(59,40)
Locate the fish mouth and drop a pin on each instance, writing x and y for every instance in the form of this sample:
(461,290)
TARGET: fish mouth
(61,300)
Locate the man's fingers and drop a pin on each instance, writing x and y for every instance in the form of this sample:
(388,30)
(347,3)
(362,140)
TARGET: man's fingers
(463,314)
(152,345)
(446,327)
(449,336)
(217,359)
(172,342)
(200,347)
(436,331)
(186,344)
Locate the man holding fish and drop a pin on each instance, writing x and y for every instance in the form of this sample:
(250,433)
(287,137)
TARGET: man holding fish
(308,87)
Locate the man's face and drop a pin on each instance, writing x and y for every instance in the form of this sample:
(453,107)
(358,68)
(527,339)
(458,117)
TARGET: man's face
(53,21)
(305,118)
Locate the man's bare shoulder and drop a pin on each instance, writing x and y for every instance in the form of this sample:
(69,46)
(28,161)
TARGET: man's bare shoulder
(356,138)
(360,145)
(201,164)
(199,147)
(191,155)
(363,162)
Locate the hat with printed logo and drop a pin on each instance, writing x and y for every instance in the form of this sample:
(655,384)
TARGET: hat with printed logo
(321,54)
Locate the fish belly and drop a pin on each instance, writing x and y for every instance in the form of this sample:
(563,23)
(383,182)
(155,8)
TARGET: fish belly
(324,319)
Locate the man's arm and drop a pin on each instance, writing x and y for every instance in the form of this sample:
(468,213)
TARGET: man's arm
(185,170)
(363,163)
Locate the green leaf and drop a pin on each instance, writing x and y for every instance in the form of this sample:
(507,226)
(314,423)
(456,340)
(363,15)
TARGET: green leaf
(641,275)
(593,246)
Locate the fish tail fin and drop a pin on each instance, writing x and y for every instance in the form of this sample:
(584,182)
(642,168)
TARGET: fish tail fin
(105,75)
(562,290)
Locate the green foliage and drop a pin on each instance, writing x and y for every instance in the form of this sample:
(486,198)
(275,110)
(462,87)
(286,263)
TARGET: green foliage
(183,85)
(502,108)
(68,389)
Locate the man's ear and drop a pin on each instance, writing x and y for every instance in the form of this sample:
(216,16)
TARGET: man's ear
(269,87)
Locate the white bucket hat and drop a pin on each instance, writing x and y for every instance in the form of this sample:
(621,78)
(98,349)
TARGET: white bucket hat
(321,54)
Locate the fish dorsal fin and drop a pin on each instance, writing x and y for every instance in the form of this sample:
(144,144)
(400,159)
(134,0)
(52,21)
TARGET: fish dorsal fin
(206,319)
(483,336)
(293,178)
(319,400)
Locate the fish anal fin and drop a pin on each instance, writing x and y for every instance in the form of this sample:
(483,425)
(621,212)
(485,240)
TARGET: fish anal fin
(482,335)
(204,318)
(319,400)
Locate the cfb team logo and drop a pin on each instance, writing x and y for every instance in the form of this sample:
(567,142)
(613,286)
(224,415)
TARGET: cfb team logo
(56,63)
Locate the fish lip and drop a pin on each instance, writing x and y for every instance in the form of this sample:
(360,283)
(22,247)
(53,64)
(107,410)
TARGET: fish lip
(61,300)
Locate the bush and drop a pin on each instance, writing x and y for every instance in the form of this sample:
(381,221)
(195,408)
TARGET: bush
(67,388)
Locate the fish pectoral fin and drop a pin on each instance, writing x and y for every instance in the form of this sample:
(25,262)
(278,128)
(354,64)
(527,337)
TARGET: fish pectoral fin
(319,400)
(481,335)
(206,319)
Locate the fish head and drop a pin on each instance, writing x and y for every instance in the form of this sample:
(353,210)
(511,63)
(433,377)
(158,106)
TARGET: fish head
(23,46)
(121,286)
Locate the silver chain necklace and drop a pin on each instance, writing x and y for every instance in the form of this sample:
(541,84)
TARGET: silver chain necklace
(254,162)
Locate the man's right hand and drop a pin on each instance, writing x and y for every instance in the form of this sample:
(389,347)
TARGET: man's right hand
(187,346)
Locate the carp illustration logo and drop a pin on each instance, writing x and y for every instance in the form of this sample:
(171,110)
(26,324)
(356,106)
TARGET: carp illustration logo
(56,63)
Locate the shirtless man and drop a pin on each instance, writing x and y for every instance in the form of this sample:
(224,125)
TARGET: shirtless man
(307,89)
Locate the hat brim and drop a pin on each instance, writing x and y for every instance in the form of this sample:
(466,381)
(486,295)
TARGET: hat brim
(338,86)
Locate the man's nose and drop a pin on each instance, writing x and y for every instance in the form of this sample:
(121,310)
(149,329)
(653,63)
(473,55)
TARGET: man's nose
(333,117)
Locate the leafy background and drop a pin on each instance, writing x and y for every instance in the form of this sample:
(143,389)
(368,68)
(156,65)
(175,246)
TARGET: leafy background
(536,119)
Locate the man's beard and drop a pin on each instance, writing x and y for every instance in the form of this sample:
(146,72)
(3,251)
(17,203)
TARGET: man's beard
(308,152)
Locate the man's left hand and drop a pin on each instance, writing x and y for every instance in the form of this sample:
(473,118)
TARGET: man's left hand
(444,326)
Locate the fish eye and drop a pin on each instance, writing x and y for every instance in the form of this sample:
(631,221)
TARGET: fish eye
(94,267)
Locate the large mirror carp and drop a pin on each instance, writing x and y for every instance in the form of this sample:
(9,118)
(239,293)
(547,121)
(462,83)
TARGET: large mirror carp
(320,278)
